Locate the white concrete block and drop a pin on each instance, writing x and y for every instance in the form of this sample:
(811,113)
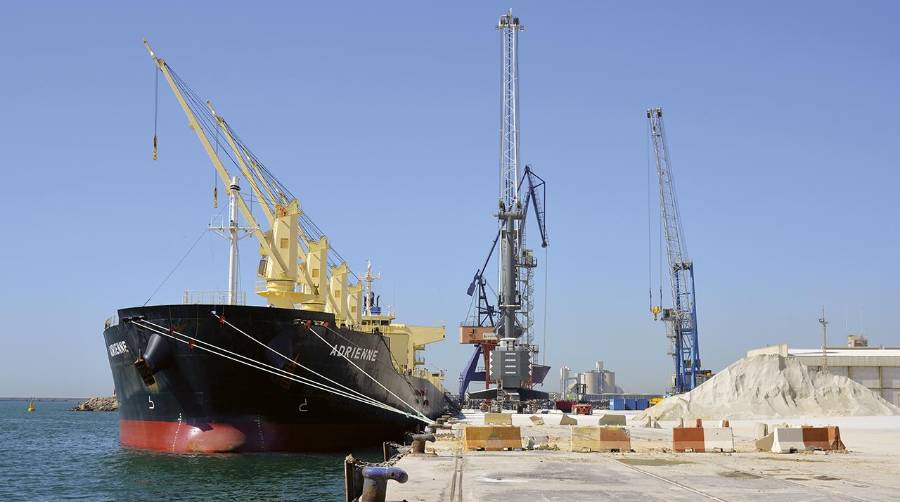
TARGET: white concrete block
(718,439)
(787,440)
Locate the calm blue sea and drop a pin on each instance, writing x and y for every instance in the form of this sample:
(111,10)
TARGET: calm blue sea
(54,454)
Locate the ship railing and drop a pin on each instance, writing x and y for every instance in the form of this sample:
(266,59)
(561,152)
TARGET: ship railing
(424,373)
(212,297)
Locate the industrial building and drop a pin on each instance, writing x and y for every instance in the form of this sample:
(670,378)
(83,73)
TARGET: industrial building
(587,384)
(877,368)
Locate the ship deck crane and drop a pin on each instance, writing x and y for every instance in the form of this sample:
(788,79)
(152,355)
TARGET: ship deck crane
(681,318)
(297,266)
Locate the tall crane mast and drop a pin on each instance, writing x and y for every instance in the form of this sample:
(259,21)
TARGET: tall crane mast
(510,213)
(681,318)
(504,334)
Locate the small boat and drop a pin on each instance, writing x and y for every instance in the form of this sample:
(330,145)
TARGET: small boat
(31,406)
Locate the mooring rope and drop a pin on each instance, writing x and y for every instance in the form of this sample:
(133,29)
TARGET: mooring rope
(333,348)
(292,361)
(247,361)
(257,364)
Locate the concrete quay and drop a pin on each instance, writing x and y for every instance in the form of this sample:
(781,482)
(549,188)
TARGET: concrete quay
(868,471)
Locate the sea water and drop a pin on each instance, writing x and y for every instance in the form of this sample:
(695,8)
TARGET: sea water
(55,454)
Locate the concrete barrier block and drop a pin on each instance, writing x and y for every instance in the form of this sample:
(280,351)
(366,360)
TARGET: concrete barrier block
(719,439)
(492,437)
(610,419)
(567,420)
(600,439)
(497,419)
(823,438)
(765,443)
(540,442)
(686,439)
(797,439)
(702,439)
(761,430)
(788,440)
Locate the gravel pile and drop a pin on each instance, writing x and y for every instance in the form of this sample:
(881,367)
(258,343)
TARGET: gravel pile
(772,386)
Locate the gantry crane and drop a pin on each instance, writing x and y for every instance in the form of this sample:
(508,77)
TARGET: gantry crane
(681,318)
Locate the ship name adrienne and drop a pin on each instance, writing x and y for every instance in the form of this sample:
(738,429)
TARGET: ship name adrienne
(352,352)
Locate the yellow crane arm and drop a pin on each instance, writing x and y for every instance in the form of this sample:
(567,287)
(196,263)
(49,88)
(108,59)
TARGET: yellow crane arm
(211,153)
(264,202)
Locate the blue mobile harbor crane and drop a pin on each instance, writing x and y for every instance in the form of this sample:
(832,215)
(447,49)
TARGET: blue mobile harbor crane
(681,318)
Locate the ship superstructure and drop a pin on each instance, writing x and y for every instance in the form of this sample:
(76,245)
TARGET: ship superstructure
(317,368)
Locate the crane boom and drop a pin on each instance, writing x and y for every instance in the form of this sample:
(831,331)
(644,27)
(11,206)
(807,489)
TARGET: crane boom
(681,319)
(223,173)
(535,196)
(296,264)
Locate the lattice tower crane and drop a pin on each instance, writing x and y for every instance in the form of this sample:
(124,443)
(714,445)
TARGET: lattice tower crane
(681,318)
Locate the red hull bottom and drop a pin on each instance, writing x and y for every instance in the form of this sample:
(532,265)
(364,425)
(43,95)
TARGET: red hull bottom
(220,437)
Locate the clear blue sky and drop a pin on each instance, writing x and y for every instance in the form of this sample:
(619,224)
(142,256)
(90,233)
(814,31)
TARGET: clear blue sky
(383,118)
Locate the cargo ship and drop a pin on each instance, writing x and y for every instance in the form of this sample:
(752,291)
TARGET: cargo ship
(319,367)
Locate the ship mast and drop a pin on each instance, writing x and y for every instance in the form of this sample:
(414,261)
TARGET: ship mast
(370,304)
(232,232)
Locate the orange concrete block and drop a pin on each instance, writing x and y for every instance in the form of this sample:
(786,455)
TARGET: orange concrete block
(687,439)
(492,437)
(497,419)
(822,438)
(702,439)
(591,438)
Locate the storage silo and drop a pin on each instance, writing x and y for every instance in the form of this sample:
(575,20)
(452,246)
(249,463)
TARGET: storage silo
(609,381)
(592,381)
(563,380)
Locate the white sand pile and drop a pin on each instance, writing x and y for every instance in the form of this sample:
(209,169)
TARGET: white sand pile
(771,386)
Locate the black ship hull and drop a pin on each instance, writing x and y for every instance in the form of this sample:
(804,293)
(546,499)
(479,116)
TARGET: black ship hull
(175,396)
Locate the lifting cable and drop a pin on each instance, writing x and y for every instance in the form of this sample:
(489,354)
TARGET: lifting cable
(649,229)
(546,297)
(247,361)
(155,109)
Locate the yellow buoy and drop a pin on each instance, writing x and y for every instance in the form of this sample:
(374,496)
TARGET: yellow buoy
(31,406)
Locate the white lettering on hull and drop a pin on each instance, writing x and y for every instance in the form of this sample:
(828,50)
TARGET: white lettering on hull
(351,352)
(117,349)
